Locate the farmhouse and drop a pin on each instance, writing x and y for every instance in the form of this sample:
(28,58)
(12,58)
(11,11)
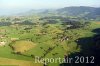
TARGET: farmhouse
(14,39)
(2,43)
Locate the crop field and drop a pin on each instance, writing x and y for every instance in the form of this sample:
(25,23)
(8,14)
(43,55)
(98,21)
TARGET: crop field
(23,43)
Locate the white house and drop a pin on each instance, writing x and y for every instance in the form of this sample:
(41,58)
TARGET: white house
(2,43)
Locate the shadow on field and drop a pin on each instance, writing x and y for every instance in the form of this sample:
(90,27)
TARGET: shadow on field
(90,47)
(96,30)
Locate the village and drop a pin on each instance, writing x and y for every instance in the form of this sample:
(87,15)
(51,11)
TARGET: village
(4,39)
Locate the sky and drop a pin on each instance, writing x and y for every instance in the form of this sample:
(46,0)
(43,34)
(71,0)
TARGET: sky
(22,5)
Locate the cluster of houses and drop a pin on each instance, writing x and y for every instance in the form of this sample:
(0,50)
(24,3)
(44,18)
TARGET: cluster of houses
(3,42)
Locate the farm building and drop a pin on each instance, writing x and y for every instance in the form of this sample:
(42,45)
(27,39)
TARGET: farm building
(14,39)
(2,43)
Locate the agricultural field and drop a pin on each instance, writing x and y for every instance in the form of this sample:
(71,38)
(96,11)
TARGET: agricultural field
(21,39)
(49,32)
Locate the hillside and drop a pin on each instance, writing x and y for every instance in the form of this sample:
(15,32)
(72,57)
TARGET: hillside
(82,12)
(90,12)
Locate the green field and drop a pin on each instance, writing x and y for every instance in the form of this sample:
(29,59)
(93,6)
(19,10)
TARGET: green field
(24,42)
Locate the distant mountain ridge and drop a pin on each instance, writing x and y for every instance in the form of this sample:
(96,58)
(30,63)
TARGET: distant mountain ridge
(91,12)
(77,11)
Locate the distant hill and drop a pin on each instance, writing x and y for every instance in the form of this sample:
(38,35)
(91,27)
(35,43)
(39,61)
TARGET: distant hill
(82,11)
(41,12)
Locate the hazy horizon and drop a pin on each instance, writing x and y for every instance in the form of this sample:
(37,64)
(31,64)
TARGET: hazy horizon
(16,6)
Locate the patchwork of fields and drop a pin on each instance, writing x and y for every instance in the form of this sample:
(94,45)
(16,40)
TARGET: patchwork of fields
(23,42)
